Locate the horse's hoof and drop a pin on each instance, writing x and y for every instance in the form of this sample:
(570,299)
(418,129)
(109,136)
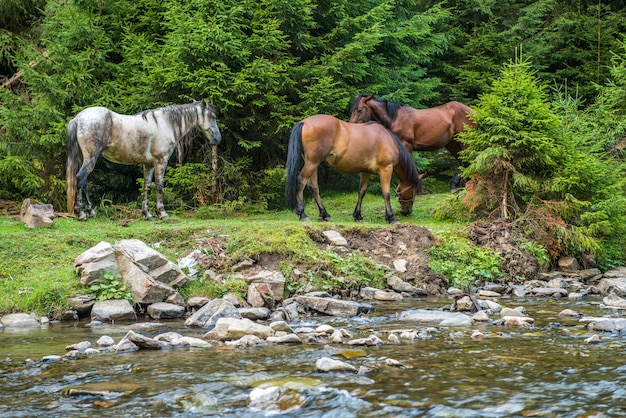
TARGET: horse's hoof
(92,214)
(147,217)
(164,215)
(82,217)
(393,221)
(304,218)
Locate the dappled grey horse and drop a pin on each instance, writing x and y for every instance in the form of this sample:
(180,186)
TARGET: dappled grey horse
(147,138)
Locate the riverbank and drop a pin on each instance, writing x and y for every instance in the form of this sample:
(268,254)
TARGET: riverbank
(37,266)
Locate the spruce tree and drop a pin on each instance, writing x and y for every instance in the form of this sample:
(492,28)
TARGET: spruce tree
(516,147)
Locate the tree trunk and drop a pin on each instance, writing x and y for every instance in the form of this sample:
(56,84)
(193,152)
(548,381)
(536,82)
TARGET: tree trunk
(214,157)
(504,213)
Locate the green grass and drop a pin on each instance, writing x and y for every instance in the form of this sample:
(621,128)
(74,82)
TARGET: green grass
(36,266)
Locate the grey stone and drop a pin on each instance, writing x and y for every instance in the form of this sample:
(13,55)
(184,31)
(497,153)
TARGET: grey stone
(615,325)
(400,285)
(335,238)
(327,364)
(142,341)
(285,339)
(436,317)
(274,279)
(144,288)
(209,314)
(150,261)
(614,301)
(94,263)
(196,302)
(113,310)
(612,284)
(82,304)
(254,313)
(260,294)
(36,215)
(19,320)
(334,307)
(164,310)
(568,264)
(233,329)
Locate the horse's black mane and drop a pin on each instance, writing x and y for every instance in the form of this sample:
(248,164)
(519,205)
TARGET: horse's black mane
(410,171)
(392,107)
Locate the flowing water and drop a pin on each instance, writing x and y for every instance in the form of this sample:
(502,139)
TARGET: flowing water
(547,371)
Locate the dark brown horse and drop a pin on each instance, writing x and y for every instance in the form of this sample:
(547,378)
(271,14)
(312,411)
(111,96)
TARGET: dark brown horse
(420,129)
(349,148)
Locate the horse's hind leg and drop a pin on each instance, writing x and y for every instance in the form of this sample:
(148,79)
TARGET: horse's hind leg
(365,179)
(313,184)
(303,178)
(147,185)
(83,190)
(458,182)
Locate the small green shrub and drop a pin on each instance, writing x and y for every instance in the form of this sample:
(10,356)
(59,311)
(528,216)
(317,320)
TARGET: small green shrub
(215,289)
(452,208)
(536,250)
(110,287)
(462,262)
(343,275)
(270,188)
(192,183)
(223,209)
(612,254)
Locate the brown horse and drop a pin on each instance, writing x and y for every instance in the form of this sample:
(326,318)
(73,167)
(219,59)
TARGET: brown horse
(420,129)
(349,148)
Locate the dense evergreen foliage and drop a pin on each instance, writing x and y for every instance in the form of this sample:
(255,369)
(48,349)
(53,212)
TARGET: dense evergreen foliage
(552,124)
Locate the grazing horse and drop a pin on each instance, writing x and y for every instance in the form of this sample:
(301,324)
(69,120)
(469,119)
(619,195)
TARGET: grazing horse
(420,129)
(349,148)
(147,138)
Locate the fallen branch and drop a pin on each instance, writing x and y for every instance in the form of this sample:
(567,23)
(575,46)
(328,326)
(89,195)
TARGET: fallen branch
(8,83)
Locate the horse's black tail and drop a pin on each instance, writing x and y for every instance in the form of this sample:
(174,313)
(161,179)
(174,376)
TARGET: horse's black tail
(294,154)
(407,162)
(72,165)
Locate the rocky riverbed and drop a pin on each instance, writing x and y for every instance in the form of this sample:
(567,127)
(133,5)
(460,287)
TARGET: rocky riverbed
(533,354)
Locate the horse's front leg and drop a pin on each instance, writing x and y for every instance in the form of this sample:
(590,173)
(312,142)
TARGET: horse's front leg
(385,182)
(159,174)
(147,185)
(365,179)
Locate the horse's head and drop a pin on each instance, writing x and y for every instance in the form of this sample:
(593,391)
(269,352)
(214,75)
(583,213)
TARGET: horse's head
(360,112)
(405,193)
(207,122)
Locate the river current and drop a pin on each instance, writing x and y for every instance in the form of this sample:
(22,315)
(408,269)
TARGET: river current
(549,370)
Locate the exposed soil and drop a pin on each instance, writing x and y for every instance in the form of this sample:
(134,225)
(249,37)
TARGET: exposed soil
(504,238)
(9,207)
(398,242)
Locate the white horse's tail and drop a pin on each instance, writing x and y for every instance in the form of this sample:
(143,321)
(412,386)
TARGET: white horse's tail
(72,165)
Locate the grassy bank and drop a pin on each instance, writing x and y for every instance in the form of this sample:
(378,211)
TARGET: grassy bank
(36,266)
